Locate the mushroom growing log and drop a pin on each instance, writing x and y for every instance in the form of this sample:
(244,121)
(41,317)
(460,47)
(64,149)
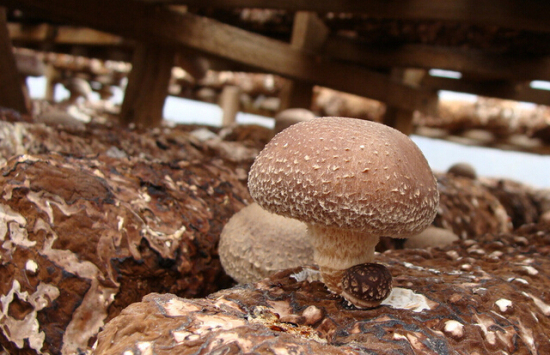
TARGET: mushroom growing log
(446,301)
(111,218)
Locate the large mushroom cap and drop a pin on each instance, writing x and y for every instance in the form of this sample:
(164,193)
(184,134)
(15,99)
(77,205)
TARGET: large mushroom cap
(346,173)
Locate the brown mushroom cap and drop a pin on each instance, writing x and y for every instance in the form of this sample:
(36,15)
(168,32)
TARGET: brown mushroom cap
(366,285)
(346,173)
(255,243)
(431,237)
(290,116)
(464,170)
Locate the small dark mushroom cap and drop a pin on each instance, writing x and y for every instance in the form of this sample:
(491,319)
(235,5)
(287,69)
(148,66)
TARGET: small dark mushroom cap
(366,285)
(346,173)
(464,170)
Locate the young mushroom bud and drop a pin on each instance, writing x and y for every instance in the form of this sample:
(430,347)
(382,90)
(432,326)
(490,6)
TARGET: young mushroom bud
(366,285)
(351,181)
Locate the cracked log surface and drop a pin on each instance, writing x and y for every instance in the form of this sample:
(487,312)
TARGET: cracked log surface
(94,217)
(91,222)
(476,297)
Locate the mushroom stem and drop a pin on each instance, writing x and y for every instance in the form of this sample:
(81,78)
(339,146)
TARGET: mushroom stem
(341,248)
(336,250)
(332,278)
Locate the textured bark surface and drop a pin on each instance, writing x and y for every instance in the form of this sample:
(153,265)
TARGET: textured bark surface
(518,199)
(468,208)
(477,297)
(100,219)
(93,218)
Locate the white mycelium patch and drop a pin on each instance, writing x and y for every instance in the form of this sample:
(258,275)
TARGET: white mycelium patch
(403,298)
(485,324)
(307,274)
(545,308)
(530,270)
(145,348)
(31,266)
(420,268)
(454,328)
(518,279)
(503,304)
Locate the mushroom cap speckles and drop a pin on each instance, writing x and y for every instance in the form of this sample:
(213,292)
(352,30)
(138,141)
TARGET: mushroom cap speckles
(346,173)
(366,285)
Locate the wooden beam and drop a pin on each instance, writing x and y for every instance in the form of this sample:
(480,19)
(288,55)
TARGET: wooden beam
(11,90)
(489,65)
(193,63)
(230,102)
(147,85)
(296,94)
(517,91)
(136,20)
(529,15)
(308,33)
(399,118)
(71,40)
(64,35)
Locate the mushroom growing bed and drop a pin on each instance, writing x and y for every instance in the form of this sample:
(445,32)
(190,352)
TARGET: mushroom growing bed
(111,235)
(488,296)
(93,220)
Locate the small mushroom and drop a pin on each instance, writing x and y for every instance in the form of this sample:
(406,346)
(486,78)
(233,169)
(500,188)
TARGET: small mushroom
(256,243)
(431,237)
(290,116)
(463,169)
(351,181)
(366,285)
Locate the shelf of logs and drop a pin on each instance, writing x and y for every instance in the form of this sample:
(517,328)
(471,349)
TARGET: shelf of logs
(155,35)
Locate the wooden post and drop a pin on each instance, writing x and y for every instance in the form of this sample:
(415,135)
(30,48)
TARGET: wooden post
(400,118)
(192,63)
(295,94)
(230,102)
(309,33)
(11,93)
(147,85)
(28,64)
(52,79)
